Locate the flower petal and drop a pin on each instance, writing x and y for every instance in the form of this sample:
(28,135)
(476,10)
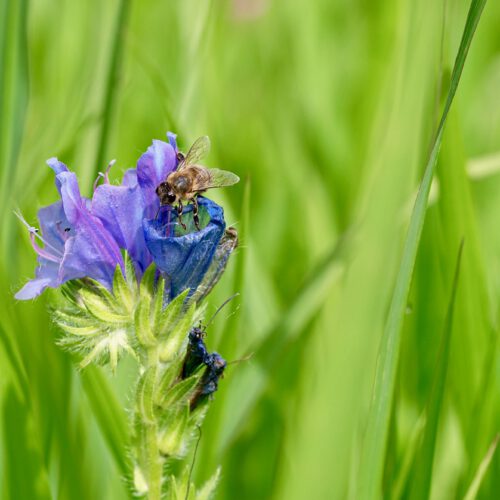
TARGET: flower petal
(33,288)
(54,225)
(185,258)
(46,275)
(94,252)
(121,210)
(172,140)
(153,168)
(58,167)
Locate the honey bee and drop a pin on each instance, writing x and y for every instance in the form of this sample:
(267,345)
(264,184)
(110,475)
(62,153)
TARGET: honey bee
(189,180)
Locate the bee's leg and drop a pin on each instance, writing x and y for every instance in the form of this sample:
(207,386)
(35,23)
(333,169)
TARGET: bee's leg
(196,219)
(158,211)
(179,214)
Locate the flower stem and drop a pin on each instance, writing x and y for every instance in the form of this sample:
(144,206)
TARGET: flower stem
(154,459)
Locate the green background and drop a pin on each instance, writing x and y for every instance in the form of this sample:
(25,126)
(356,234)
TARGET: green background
(326,110)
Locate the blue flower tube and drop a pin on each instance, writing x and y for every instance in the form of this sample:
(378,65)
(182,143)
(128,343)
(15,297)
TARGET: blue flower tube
(184,256)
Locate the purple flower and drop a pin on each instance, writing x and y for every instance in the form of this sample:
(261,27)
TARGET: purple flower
(153,168)
(76,243)
(84,238)
(182,256)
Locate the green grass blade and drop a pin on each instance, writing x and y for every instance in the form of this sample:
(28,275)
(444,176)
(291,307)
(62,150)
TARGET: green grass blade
(483,468)
(271,349)
(376,433)
(109,414)
(425,460)
(23,461)
(111,83)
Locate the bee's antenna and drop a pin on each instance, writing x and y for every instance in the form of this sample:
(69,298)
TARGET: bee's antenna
(192,463)
(219,309)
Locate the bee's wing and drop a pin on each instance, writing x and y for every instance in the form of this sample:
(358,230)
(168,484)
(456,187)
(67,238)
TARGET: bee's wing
(196,152)
(207,178)
(221,178)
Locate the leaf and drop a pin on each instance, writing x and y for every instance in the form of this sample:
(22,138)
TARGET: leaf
(101,308)
(373,454)
(143,330)
(208,489)
(171,314)
(121,290)
(182,392)
(422,484)
(178,334)
(481,471)
(157,307)
(145,391)
(109,414)
(24,471)
(171,372)
(172,436)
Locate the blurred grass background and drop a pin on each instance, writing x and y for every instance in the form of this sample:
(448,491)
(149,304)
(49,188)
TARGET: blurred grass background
(327,111)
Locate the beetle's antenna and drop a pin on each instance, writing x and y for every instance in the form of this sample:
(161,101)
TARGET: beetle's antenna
(244,358)
(192,463)
(219,309)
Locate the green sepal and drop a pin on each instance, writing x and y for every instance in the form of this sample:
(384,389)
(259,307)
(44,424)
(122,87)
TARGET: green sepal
(130,274)
(148,280)
(157,307)
(206,492)
(145,390)
(182,392)
(122,291)
(171,315)
(143,330)
(178,334)
(169,375)
(172,438)
(177,489)
(102,306)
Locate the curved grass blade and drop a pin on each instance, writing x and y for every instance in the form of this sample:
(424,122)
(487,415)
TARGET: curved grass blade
(112,77)
(422,484)
(377,430)
(109,414)
(23,460)
(483,467)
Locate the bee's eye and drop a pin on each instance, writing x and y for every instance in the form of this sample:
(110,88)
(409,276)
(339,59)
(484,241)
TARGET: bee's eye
(171,197)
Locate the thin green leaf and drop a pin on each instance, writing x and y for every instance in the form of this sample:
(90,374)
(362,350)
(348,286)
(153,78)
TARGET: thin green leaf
(181,393)
(109,414)
(143,329)
(121,290)
(481,472)
(376,433)
(172,435)
(178,335)
(113,71)
(422,485)
(171,314)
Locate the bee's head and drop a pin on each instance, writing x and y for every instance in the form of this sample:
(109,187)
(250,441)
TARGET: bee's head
(165,193)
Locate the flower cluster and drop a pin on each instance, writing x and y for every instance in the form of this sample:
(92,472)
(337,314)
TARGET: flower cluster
(132,278)
(84,238)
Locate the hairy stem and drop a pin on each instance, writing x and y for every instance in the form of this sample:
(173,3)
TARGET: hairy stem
(154,460)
